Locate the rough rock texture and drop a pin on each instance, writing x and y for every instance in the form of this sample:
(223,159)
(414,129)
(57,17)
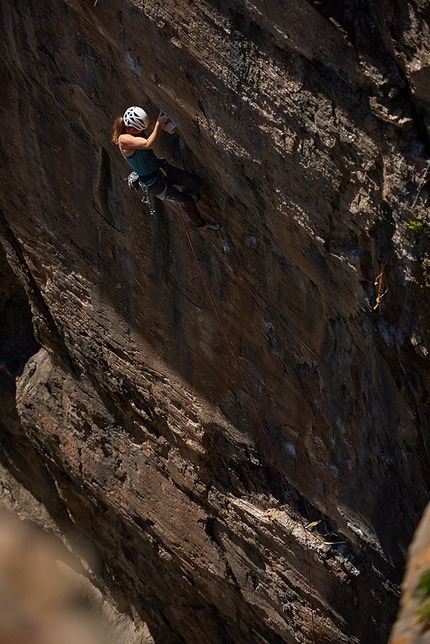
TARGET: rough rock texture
(126,428)
(410,628)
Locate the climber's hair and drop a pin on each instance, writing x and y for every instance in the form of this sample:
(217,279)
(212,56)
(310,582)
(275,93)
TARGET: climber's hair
(118,129)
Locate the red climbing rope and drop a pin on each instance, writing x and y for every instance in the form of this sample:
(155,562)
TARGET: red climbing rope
(266,436)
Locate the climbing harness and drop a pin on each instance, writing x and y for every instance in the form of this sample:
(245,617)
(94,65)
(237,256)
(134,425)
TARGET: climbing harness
(260,421)
(133,181)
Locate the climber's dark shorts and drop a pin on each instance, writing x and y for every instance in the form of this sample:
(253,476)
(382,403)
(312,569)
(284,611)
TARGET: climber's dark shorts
(164,188)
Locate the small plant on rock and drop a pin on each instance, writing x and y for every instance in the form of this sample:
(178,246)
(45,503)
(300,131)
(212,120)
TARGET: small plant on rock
(423,592)
(416,225)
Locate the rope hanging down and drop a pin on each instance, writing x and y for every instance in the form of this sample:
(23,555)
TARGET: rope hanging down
(257,414)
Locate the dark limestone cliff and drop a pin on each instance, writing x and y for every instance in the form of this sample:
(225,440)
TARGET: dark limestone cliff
(126,431)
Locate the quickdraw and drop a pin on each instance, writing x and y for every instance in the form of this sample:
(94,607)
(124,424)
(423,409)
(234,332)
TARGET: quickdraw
(381,285)
(425,174)
(147,199)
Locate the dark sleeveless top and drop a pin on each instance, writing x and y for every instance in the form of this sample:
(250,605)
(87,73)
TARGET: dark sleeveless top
(144,162)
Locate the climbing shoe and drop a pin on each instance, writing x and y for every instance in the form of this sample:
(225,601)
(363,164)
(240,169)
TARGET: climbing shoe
(211,225)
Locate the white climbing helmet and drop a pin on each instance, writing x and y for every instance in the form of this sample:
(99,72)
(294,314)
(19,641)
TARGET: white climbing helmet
(136,117)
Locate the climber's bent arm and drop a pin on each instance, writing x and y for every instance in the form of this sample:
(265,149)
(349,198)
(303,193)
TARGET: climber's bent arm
(130,142)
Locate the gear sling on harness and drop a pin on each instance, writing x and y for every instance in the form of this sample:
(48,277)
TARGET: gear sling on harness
(149,182)
(160,183)
(134,180)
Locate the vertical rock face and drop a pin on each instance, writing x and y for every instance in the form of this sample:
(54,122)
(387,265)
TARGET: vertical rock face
(126,428)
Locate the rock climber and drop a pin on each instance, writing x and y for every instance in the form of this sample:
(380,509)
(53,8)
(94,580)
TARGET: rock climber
(156,175)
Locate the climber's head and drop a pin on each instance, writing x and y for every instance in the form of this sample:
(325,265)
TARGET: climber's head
(136,118)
